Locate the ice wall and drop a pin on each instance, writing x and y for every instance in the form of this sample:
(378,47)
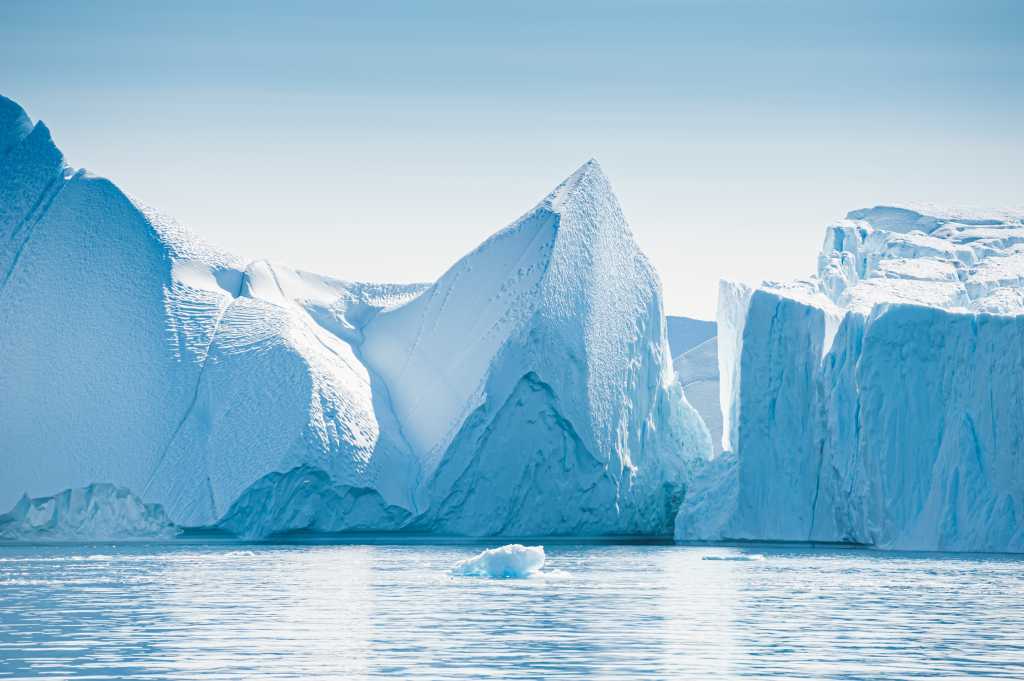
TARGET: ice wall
(879,402)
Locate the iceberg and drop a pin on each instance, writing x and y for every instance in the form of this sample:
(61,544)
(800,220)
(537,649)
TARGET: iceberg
(512,561)
(534,380)
(877,402)
(694,347)
(137,354)
(99,512)
(686,333)
(697,369)
(527,392)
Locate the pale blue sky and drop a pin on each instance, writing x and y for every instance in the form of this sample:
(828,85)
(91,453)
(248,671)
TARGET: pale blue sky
(381,141)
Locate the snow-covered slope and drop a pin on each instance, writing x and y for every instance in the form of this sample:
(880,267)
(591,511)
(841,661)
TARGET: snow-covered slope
(879,402)
(528,391)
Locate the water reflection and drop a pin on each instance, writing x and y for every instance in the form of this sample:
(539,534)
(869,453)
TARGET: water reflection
(210,612)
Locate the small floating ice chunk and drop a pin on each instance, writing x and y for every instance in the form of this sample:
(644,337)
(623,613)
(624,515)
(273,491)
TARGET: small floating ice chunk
(737,556)
(505,562)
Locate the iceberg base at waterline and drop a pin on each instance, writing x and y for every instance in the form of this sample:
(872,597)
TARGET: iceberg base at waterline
(99,512)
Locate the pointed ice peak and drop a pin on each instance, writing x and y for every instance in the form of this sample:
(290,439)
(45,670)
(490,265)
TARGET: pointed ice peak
(591,166)
(587,175)
(15,125)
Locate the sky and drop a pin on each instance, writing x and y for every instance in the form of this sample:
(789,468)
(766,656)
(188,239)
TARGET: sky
(381,141)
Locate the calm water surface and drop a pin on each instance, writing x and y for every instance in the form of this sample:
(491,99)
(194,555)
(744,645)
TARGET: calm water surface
(339,612)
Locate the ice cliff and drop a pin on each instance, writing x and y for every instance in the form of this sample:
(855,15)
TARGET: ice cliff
(529,391)
(878,402)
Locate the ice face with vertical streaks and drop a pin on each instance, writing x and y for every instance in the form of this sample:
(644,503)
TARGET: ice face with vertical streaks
(878,402)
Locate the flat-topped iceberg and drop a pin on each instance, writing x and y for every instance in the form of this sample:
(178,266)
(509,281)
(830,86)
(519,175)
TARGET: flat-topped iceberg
(878,402)
(529,391)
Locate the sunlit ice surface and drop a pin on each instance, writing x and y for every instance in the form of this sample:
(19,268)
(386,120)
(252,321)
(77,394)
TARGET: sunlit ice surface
(195,611)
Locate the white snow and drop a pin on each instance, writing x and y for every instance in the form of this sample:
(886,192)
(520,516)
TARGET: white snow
(880,402)
(735,557)
(511,561)
(99,512)
(529,391)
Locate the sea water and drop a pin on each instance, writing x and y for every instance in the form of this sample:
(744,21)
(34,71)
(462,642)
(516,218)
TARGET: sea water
(216,611)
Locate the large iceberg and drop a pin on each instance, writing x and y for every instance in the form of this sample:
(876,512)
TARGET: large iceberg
(879,402)
(534,379)
(529,391)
